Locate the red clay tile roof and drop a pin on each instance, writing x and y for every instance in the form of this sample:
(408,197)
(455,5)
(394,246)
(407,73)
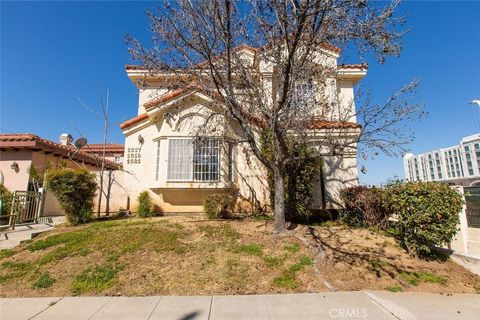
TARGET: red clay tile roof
(133,67)
(353,66)
(34,142)
(315,124)
(133,121)
(109,148)
(324,124)
(163,98)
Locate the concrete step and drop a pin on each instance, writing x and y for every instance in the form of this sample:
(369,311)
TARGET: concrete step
(24,232)
(8,244)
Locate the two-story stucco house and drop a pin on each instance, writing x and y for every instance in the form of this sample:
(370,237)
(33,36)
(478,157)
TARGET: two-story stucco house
(161,154)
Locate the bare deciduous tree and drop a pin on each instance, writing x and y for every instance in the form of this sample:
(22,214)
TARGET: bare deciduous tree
(104,116)
(227,48)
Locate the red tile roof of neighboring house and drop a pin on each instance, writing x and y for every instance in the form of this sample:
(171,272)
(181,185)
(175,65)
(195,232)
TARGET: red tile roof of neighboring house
(109,148)
(33,142)
(133,121)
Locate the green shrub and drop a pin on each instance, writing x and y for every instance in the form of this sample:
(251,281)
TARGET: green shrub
(218,206)
(145,206)
(75,190)
(301,172)
(6,196)
(427,214)
(364,207)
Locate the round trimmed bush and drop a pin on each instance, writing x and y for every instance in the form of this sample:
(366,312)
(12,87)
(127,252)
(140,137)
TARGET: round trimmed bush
(75,190)
(427,214)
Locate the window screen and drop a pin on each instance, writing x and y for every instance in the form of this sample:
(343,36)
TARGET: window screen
(189,160)
(180,156)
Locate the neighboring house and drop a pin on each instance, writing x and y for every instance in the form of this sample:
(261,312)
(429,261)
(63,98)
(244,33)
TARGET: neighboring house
(113,151)
(21,150)
(162,155)
(457,165)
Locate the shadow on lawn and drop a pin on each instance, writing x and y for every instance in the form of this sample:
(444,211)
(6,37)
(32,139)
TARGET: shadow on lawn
(343,250)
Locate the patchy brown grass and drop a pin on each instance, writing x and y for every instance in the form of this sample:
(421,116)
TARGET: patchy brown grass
(193,256)
(359,259)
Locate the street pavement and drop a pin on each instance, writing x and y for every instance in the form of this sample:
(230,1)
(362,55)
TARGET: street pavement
(331,305)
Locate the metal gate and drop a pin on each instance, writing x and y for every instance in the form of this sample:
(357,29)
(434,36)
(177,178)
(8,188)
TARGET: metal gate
(472,199)
(27,206)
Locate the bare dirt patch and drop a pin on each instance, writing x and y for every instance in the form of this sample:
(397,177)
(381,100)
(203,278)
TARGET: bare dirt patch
(359,259)
(192,256)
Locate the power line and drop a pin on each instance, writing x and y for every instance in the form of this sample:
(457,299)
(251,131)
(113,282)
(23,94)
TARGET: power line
(7,131)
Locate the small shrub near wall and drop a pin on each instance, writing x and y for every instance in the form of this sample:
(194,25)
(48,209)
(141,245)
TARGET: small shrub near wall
(218,206)
(427,214)
(301,173)
(75,190)
(145,206)
(364,207)
(7,198)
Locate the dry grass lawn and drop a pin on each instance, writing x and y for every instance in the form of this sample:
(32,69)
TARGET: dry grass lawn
(193,256)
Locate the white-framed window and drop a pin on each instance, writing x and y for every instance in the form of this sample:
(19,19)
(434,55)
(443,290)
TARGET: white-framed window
(193,160)
(157,164)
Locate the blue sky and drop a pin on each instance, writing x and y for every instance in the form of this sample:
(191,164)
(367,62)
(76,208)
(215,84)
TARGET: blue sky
(52,53)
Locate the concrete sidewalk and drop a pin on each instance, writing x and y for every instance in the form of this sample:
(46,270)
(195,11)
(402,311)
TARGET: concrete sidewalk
(332,305)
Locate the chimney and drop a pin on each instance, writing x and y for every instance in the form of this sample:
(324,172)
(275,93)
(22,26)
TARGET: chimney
(66,139)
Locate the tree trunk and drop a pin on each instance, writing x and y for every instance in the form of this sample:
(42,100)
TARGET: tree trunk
(279,178)
(109,193)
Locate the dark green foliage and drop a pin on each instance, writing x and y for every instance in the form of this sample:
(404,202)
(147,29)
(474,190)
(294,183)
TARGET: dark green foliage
(364,207)
(75,190)
(218,206)
(424,213)
(427,214)
(301,171)
(7,198)
(145,206)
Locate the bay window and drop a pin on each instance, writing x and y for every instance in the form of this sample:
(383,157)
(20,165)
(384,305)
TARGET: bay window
(193,160)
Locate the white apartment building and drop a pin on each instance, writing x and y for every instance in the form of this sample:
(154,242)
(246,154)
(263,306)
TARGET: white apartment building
(458,165)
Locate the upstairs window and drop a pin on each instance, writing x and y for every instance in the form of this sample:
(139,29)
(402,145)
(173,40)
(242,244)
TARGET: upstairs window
(304,94)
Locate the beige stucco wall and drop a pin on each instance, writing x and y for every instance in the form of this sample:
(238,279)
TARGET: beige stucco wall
(11,179)
(249,175)
(249,181)
(187,196)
